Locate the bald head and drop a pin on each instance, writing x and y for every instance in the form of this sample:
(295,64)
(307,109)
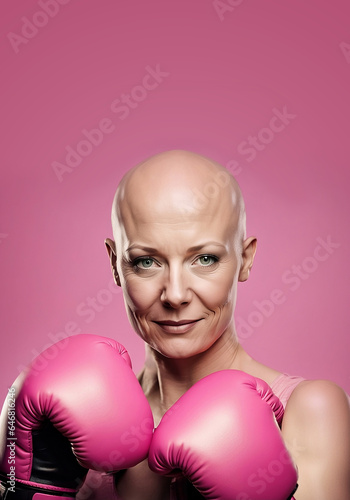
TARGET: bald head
(179,251)
(177,188)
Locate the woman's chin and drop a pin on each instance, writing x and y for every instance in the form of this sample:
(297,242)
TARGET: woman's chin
(180,349)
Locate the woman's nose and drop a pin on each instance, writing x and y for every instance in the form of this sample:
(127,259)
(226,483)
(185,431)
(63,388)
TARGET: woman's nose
(176,291)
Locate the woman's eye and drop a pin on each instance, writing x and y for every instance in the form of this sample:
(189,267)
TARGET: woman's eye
(144,263)
(207,260)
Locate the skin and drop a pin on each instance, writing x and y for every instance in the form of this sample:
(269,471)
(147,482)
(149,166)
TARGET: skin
(179,251)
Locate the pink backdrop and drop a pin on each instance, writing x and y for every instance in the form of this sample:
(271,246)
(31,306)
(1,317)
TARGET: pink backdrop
(89,88)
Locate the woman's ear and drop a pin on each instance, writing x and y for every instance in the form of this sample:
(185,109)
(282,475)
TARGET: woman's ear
(248,254)
(111,250)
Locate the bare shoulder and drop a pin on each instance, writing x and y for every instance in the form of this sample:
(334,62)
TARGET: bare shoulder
(316,429)
(314,400)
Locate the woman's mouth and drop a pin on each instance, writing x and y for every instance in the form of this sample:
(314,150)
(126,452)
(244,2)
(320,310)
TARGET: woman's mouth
(182,326)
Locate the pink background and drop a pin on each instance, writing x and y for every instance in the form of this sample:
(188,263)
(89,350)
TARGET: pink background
(224,74)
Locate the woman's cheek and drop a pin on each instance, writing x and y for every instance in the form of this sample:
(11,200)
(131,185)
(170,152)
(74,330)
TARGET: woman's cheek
(141,293)
(219,292)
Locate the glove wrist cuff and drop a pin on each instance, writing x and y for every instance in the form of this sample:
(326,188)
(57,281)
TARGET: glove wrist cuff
(25,490)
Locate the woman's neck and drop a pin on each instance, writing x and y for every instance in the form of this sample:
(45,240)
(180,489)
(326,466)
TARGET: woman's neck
(175,376)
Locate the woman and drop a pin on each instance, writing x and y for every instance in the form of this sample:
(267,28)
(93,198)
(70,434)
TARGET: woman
(179,250)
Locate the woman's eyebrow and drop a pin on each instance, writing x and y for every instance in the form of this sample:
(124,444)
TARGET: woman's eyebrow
(194,248)
(140,247)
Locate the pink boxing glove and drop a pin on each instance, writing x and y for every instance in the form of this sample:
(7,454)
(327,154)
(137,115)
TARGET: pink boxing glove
(222,434)
(78,406)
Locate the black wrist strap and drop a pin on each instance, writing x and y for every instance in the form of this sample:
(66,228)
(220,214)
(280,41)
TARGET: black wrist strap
(22,491)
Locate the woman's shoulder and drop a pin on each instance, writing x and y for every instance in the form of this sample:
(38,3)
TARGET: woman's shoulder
(318,416)
(316,430)
(318,396)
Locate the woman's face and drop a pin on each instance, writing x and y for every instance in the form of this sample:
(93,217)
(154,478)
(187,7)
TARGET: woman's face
(179,275)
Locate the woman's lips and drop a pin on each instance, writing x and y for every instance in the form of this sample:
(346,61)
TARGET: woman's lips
(177,326)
